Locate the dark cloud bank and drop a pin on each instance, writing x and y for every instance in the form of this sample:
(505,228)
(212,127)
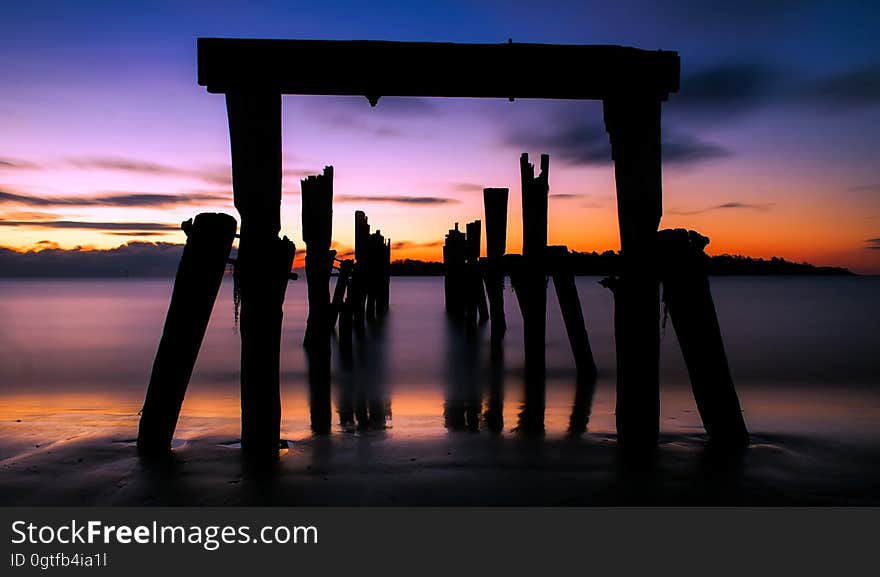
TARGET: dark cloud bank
(137,259)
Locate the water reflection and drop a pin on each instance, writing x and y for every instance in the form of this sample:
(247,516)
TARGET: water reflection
(363,400)
(463,402)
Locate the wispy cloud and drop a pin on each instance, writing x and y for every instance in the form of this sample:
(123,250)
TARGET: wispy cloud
(870,187)
(854,88)
(579,142)
(733,205)
(727,89)
(90,225)
(136,233)
(219,174)
(397,199)
(387,105)
(118,199)
(408,244)
(16,164)
(872,243)
(467,187)
(354,114)
(28,215)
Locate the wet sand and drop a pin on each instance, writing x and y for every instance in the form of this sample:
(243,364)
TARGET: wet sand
(91,465)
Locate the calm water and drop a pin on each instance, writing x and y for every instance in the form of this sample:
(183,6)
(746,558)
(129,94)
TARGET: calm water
(804,354)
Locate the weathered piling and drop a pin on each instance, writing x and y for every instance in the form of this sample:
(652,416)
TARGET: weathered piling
(688,299)
(260,329)
(633,126)
(360,281)
(535,191)
(559,263)
(454,258)
(370,281)
(317,219)
(375,274)
(476,310)
(495,205)
(208,242)
(342,282)
(263,263)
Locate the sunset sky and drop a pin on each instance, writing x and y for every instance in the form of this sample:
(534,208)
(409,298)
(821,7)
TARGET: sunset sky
(771,146)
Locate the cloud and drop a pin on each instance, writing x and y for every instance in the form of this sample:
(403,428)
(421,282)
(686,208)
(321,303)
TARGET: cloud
(28,215)
(219,174)
(136,233)
(131,259)
(578,142)
(733,205)
(353,113)
(686,149)
(88,225)
(398,199)
(123,199)
(123,164)
(387,105)
(870,187)
(733,13)
(854,88)
(727,89)
(565,196)
(17,164)
(408,244)
(872,243)
(467,187)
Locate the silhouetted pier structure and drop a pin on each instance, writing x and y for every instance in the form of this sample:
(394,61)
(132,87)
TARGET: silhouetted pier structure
(632,84)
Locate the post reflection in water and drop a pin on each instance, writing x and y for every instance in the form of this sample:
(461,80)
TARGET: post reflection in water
(463,402)
(363,400)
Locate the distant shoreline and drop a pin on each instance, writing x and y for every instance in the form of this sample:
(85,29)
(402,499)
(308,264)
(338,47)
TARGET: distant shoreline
(158,260)
(606,263)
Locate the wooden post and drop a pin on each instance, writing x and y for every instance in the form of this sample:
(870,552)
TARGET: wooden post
(495,205)
(474,294)
(453,272)
(374,257)
(317,220)
(360,280)
(688,298)
(342,281)
(559,261)
(263,263)
(534,306)
(208,242)
(634,130)
(386,278)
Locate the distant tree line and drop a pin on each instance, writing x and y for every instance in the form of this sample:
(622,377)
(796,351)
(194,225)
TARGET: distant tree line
(608,262)
(147,259)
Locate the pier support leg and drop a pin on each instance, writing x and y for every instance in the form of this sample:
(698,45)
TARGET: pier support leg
(263,264)
(688,298)
(495,205)
(634,130)
(534,288)
(208,242)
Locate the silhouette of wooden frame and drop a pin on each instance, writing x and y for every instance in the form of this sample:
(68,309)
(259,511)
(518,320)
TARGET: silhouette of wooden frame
(632,83)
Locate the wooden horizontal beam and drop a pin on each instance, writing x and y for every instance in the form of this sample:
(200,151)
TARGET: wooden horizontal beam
(378,68)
